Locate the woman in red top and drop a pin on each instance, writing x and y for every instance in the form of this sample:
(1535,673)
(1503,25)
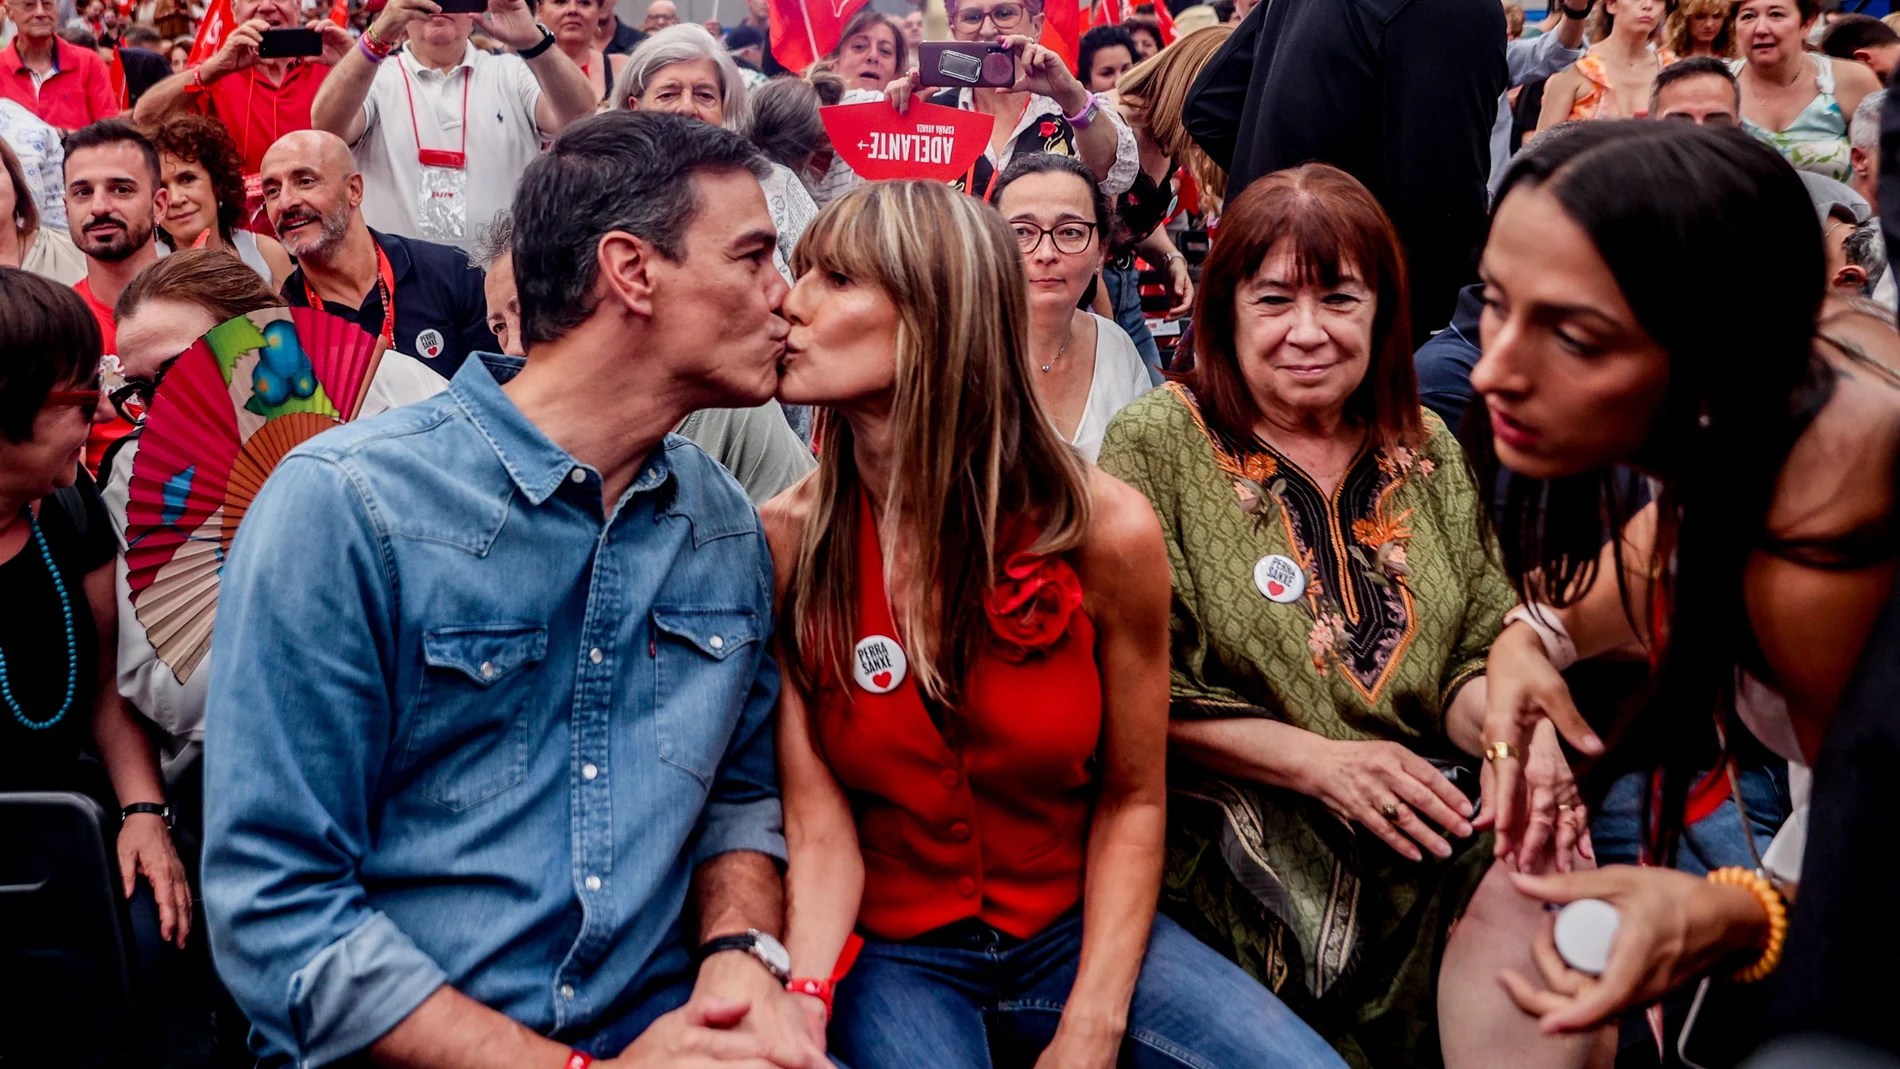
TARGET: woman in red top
(973,732)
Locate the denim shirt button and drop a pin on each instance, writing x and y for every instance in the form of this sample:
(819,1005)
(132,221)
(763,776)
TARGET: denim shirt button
(488,670)
(595,655)
(592,882)
(589,771)
(578,475)
(567,992)
(716,642)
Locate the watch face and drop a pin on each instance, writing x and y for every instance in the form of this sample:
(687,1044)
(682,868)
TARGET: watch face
(772,953)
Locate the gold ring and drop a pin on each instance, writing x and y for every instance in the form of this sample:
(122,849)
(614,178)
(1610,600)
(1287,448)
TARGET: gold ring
(1564,807)
(1499,751)
(1390,810)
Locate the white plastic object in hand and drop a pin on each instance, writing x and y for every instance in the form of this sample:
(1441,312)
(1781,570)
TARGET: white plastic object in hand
(1585,930)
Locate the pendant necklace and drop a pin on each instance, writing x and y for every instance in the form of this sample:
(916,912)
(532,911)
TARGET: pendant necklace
(1059,352)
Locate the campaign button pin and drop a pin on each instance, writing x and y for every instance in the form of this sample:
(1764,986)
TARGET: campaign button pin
(878,664)
(1279,578)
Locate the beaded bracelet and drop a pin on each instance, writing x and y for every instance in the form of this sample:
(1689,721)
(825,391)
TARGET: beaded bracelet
(1771,903)
(373,46)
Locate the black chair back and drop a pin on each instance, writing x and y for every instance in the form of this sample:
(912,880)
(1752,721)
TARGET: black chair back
(65,977)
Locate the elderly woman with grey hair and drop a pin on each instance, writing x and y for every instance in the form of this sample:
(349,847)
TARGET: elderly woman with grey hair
(682,70)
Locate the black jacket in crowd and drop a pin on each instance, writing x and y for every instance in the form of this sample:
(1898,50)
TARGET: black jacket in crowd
(1400,94)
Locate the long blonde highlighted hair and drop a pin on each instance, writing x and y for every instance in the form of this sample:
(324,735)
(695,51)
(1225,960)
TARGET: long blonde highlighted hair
(1156,90)
(973,450)
(1675,30)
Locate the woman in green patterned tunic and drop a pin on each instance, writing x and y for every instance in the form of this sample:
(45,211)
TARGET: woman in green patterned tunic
(1333,604)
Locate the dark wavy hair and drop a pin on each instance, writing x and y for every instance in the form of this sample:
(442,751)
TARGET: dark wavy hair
(204,140)
(1661,202)
(48,340)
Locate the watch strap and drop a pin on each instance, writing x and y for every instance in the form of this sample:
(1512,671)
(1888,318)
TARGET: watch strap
(1085,118)
(163,812)
(534,51)
(744,942)
(1570,12)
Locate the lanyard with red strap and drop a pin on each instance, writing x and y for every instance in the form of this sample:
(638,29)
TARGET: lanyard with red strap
(385,283)
(435,157)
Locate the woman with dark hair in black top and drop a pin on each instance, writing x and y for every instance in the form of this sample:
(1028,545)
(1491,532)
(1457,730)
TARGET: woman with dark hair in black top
(1766,421)
(59,698)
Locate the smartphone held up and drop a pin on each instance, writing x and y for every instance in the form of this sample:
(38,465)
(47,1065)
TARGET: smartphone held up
(966,65)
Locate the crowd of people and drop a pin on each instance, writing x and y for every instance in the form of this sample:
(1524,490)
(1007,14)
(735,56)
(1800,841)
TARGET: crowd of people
(1334,486)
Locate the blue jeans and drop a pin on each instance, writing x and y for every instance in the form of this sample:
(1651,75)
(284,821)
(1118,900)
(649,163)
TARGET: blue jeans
(1124,293)
(969,997)
(1711,843)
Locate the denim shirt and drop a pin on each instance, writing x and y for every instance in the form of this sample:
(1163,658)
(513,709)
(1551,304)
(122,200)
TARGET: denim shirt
(480,735)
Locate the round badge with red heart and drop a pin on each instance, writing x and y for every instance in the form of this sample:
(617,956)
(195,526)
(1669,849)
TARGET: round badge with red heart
(1279,579)
(878,664)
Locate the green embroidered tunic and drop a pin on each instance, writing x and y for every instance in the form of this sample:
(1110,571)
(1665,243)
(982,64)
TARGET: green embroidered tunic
(1401,603)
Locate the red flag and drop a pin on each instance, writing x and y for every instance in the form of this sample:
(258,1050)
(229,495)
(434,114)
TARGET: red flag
(1062,29)
(1106,13)
(116,72)
(804,30)
(1166,19)
(340,13)
(218,22)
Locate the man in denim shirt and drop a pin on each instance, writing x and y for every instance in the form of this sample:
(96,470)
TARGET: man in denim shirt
(489,755)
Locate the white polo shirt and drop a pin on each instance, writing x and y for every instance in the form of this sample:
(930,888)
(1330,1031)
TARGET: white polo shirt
(502,137)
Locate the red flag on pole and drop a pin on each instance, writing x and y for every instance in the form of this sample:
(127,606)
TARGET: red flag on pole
(115,71)
(340,13)
(218,22)
(1106,13)
(1062,29)
(1166,19)
(804,30)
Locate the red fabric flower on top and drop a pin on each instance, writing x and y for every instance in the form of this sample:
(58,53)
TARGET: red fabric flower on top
(1047,129)
(1030,606)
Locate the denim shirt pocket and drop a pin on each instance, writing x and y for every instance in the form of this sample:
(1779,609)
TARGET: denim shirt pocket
(470,739)
(701,683)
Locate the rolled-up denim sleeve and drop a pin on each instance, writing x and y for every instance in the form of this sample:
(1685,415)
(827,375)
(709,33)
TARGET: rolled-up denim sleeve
(298,722)
(742,810)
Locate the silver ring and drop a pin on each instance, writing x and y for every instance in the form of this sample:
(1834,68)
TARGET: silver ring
(1390,810)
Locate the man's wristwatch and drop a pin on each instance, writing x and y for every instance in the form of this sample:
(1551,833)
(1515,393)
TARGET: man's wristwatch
(770,952)
(547,41)
(163,812)
(1573,13)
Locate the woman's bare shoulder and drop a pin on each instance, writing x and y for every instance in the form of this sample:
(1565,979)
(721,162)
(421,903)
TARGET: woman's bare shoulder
(784,518)
(1840,473)
(1123,532)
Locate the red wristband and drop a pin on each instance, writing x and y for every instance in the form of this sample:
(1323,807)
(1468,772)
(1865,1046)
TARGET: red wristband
(577,1060)
(818,989)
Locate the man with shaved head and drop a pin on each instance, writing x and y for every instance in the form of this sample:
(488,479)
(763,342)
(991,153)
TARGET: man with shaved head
(418,297)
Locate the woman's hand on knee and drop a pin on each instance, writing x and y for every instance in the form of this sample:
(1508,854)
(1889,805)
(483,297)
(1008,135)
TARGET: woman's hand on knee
(1671,929)
(1391,791)
(145,849)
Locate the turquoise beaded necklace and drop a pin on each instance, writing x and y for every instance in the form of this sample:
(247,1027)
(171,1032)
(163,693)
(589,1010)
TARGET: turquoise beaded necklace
(72,645)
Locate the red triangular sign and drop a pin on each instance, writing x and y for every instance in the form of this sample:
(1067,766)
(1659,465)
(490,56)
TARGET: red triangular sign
(930,141)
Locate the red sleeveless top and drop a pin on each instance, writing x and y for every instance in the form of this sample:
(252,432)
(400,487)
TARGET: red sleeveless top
(995,825)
